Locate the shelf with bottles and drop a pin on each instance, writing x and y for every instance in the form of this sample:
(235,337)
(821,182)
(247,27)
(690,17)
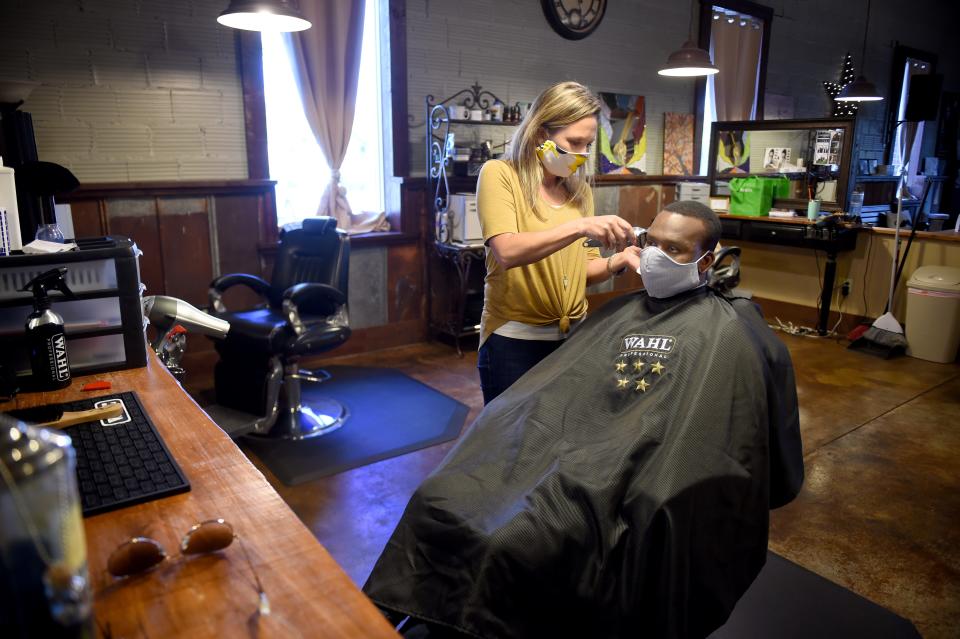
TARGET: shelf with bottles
(486,122)
(473,107)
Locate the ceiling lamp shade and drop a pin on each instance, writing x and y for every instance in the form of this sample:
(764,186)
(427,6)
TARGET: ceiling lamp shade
(264,15)
(689,60)
(860,90)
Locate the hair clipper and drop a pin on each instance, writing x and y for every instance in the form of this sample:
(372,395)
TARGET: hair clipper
(638,233)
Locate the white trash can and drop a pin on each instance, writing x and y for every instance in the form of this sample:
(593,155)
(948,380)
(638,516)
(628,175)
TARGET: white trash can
(933,313)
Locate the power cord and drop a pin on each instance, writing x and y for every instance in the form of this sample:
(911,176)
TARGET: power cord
(793,329)
(816,258)
(839,304)
(866,272)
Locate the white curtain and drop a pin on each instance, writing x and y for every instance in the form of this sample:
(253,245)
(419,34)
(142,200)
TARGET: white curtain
(736,52)
(327,61)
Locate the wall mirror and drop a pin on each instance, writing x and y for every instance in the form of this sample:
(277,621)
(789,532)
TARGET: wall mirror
(813,154)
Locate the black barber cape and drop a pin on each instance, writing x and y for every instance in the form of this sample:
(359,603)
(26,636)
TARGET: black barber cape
(619,489)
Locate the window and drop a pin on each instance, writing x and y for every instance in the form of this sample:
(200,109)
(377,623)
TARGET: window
(296,161)
(736,33)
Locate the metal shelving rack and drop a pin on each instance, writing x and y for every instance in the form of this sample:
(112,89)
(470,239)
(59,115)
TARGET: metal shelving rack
(440,147)
(439,154)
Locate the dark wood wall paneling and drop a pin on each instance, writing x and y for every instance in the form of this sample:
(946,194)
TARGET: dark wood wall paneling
(171,223)
(186,252)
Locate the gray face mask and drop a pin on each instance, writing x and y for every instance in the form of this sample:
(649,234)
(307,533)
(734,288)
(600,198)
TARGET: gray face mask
(665,277)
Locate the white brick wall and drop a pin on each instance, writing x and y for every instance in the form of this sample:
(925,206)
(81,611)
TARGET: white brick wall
(130,90)
(149,89)
(508,47)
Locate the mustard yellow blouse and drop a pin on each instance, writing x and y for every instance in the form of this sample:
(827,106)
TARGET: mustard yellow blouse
(552,290)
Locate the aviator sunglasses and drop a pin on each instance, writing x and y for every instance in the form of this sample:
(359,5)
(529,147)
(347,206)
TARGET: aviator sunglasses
(140,554)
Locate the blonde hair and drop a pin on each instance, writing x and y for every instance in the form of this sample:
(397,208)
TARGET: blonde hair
(558,106)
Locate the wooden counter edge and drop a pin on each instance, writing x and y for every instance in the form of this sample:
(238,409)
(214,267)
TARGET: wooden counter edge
(308,590)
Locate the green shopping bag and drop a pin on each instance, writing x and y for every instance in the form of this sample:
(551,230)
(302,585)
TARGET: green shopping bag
(780,186)
(751,196)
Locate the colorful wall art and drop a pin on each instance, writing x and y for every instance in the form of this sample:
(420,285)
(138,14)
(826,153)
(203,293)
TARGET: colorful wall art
(623,134)
(678,143)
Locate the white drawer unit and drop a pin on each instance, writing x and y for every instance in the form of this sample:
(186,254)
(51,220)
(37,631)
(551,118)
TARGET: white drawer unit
(696,191)
(465,220)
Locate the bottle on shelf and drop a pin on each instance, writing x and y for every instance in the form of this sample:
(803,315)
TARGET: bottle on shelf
(856,202)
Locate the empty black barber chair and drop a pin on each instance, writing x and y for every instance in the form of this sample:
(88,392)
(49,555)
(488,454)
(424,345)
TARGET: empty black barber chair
(304,312)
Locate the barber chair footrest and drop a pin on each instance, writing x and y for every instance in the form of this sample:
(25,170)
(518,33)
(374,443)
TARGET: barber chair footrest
(320,417)
(317,376)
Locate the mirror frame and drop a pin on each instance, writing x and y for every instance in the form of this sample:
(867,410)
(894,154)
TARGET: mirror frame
(843,177)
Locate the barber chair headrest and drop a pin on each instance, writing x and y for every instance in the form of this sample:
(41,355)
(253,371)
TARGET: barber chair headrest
(311,226)
(319,225)
(725,277)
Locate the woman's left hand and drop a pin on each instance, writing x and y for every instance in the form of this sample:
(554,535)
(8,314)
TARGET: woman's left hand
(629,258)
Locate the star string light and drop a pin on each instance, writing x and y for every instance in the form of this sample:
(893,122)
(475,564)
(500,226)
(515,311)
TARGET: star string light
(842,109)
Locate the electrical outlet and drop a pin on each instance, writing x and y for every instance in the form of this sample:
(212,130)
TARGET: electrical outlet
(847,287)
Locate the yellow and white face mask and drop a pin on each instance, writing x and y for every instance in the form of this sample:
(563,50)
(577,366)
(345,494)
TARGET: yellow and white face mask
(560,162)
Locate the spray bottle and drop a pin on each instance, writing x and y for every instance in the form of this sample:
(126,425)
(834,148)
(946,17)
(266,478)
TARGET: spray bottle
(45,333)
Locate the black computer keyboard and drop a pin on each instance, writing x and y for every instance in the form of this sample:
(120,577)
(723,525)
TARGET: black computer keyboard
(121,461)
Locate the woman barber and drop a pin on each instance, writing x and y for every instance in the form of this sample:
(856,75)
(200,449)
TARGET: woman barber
(536,210)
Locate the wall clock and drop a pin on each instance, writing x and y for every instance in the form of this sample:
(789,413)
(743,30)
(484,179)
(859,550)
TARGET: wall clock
(574,19)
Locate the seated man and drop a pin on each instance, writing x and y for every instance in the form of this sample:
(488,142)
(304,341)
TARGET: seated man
(621,487)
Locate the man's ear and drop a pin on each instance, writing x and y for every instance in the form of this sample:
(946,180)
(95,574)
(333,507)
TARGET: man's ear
(707,262)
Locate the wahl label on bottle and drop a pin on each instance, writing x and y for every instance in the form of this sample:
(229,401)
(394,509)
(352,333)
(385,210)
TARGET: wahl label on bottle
(59,362)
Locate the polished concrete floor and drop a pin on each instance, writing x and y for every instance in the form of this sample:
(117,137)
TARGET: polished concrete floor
(879,512)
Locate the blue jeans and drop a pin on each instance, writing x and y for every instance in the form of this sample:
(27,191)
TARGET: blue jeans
(503,360)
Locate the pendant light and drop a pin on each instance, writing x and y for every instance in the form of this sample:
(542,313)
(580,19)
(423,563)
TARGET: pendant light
(861,89)
(264,15)
(689,60)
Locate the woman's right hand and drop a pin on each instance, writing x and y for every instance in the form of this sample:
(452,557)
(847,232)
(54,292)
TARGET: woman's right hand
(612,231)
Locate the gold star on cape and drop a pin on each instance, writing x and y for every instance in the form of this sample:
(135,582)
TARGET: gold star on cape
(621,366)
(622,382)
(642,385)
(638,365)
(657,368)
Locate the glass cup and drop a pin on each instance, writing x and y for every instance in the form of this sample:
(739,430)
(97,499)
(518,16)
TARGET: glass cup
(49,233)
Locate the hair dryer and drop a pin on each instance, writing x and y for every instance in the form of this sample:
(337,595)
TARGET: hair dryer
(166,312)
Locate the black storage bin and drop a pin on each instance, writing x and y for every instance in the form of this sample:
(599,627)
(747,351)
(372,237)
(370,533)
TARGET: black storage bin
(103,321)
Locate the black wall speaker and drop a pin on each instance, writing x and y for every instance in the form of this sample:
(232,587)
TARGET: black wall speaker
(923,97)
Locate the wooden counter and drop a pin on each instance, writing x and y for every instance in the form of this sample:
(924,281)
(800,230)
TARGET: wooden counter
(797,232)
(213,595)
(944,236)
